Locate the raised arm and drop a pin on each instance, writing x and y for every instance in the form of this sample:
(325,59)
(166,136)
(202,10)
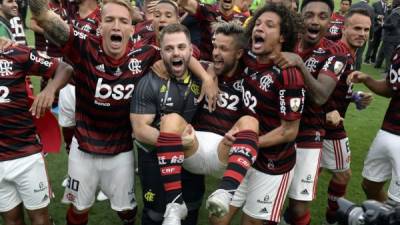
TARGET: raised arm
(189,5)
(55,29)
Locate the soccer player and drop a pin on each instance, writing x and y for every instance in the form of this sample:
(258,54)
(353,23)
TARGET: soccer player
(382,161)
(336,149)
(321,62)
(23,176)
(155,101)
(276,98)
(207,14)
(8,10)
(337,21)
(106,72)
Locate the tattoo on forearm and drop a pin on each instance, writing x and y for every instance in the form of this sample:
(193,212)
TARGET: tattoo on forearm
(54,27)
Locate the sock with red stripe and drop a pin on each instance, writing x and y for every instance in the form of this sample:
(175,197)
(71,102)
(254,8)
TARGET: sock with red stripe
(74,218)
(242,155)
(302,220)
(170,159)
(335,191)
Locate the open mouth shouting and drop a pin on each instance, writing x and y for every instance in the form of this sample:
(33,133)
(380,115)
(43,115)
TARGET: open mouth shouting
(313,33)
(116,41)
(258,42)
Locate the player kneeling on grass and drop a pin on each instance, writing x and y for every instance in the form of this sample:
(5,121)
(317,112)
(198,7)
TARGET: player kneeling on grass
(23,176)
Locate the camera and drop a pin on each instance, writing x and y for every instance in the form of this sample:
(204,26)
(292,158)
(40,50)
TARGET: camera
(370,212)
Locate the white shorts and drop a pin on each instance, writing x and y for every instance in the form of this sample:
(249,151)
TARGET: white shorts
(205,160)
(66,104)
(304,184)
(262,195)
(24,180)
(336,154)
(383,162)
(113,174)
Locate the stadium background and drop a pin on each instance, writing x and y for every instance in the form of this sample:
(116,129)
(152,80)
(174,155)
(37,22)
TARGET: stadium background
(360,125)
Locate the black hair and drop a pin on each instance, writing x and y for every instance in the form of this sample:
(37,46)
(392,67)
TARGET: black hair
(232,29)
(330,4)
(291,24)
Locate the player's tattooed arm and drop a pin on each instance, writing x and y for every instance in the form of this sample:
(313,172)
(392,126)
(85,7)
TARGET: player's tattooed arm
(54,27)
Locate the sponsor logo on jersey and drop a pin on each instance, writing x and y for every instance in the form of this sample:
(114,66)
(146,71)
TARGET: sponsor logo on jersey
(41,60)
(282,102)
(116,92)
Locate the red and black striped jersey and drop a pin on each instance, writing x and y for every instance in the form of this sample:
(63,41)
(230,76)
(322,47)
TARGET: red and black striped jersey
(17,131)
(325,59)
(229,106)
(206,15)
(336,26)
(17,29)
(104,88)
(144,34)
(340,98)
(88,24)
(272,95)
(391,122)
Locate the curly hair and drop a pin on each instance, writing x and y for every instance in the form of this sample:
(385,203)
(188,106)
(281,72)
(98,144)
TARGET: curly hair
(291,25)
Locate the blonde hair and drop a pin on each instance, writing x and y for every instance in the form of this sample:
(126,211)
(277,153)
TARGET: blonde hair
(125,3)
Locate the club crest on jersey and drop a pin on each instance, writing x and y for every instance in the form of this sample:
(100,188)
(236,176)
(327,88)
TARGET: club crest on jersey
(238,85)
(265,82)
(135,66)
(295,104)
(311,64)
(338,67)
(334,30)
(6,68)
(195,89)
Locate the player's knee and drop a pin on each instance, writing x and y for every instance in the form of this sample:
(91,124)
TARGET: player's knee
(342,177)
(371,188)
(172,123)
(15,222)
(248,123)
(298,208)
(128,217)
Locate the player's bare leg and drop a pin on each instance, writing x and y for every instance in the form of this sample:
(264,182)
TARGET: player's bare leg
(374,190)
(225,220)
(15,216)
(39,216)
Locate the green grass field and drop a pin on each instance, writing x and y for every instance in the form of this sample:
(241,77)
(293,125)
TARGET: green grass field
(361,126)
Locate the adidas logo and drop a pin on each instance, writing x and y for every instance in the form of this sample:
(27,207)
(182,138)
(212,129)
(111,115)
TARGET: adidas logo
(45,198)
(305,192)
(264,210)
(100,68)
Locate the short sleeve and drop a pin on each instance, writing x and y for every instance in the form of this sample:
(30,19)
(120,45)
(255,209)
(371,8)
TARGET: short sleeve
(291,94)
(38,64)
